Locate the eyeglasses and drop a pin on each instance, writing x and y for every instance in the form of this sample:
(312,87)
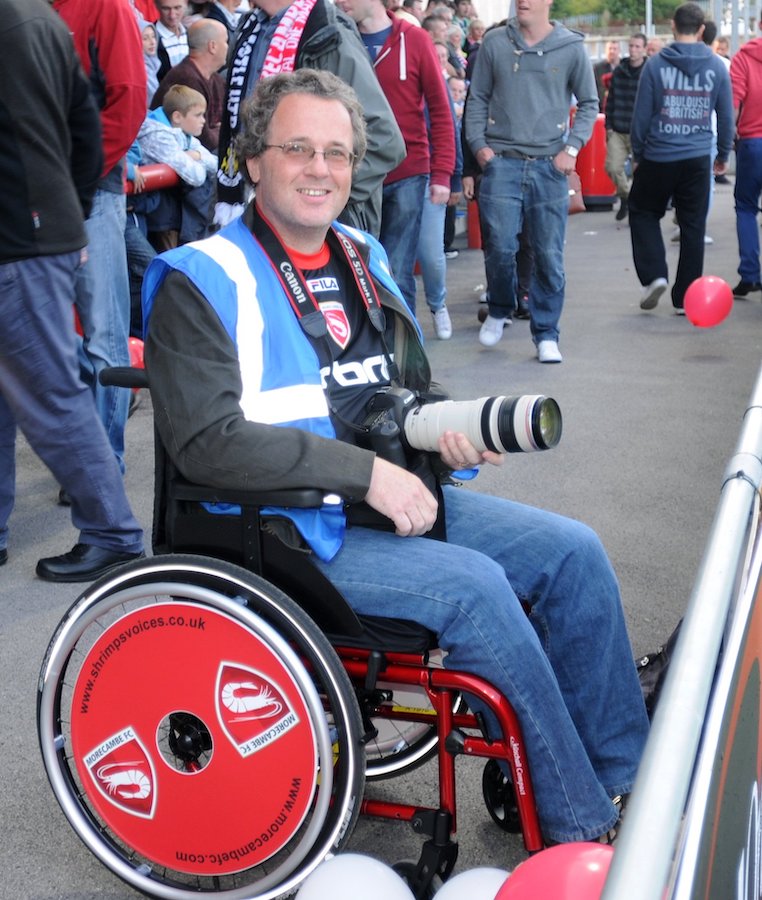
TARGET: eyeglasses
(294,151)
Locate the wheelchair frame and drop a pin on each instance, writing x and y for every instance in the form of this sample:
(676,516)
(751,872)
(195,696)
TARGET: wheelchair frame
(355,674)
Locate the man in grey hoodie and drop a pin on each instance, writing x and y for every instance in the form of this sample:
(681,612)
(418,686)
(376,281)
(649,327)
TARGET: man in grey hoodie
(517,125)
(671,148)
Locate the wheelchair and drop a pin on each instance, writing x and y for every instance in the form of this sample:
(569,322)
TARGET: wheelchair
(208,717)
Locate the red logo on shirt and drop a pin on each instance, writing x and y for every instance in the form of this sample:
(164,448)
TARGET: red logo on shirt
(337,322)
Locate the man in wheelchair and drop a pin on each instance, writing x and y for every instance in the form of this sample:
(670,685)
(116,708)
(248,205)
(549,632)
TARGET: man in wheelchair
(265,345)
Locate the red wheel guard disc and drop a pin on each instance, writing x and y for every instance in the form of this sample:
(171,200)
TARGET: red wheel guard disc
(250,790)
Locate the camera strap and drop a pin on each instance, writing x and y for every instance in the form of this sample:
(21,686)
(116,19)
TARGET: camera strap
(302,300)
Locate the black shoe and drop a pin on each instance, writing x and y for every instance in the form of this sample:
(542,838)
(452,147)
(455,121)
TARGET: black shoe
(722,179)
(134,403)
(621,213)
(63,498)
(522,308)
(84,562)
(3,556)
(744,288)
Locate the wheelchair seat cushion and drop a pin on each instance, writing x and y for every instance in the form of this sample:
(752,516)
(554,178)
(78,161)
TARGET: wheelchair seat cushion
(391,635)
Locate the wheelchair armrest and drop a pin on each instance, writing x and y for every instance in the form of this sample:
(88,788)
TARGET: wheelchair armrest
(123,376)
(300,498)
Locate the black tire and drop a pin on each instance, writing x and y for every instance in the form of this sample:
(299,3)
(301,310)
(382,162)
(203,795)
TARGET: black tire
(500,798)
(230,618)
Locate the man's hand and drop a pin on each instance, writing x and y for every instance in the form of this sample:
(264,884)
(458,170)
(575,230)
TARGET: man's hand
(455,198)
(719,168)
(458,452)
(469,186)
(401,497)
(484,155)
(438,194)
(564,163)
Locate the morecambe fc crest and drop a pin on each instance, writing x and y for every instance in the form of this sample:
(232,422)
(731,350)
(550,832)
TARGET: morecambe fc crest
(123,773)
(252,709)
(337,322)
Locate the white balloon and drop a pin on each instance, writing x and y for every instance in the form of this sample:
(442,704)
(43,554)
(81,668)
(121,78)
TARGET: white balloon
(475,884)
(349,876)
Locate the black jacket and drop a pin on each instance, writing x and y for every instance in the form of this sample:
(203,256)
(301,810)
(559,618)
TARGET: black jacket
(50,138)
(621,98)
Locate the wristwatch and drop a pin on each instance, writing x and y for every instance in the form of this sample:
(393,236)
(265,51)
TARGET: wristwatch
(571,151)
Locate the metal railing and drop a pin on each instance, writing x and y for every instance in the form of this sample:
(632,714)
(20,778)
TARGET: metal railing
(648,847)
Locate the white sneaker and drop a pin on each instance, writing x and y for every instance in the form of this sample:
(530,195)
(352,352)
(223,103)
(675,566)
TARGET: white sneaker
(483,297)
(652,292)
(675,238)
(491,331)
(548,352)
(442,324)
(708,240)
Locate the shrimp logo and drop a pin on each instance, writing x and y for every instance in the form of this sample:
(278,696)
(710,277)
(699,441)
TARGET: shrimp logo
(122,772)
(337,322)
(252,709)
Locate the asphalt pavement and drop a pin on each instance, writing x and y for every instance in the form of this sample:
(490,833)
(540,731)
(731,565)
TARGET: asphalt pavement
(652,409)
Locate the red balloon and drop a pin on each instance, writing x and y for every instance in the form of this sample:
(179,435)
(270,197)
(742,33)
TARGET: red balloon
(708,301)
(564,872)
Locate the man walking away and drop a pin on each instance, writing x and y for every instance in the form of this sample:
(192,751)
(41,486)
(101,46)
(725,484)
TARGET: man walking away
(671,148)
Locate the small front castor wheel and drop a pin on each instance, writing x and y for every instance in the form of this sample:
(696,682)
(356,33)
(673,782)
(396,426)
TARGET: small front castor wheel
(407,869)
(500,798)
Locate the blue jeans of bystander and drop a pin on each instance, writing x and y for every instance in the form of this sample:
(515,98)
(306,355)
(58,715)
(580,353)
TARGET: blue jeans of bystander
(747,192)
(41,390)
(400,227)
(566,667)
(103,304)
(532,196)
(431,256)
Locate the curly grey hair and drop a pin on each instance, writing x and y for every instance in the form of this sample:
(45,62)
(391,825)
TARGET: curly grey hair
(257,111)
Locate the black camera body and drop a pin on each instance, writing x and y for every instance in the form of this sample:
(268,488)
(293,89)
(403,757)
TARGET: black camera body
(382,427)
(399,420)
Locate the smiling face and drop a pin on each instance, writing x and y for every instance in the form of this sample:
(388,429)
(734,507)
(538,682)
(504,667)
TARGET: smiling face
(301,199)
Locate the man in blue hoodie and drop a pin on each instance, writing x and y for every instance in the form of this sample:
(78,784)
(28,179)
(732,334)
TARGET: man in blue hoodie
(671,147)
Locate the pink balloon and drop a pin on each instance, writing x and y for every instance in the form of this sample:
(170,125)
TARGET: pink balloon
(565,872)
(708,301)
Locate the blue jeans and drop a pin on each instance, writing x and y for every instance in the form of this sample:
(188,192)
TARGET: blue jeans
(400,226)
(103,304)
(41,390)
(566,667)
(747,192)
(139,255)
(430,253)
(532,196)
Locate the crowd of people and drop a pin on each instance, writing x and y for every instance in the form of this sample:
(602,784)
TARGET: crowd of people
(330,141)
